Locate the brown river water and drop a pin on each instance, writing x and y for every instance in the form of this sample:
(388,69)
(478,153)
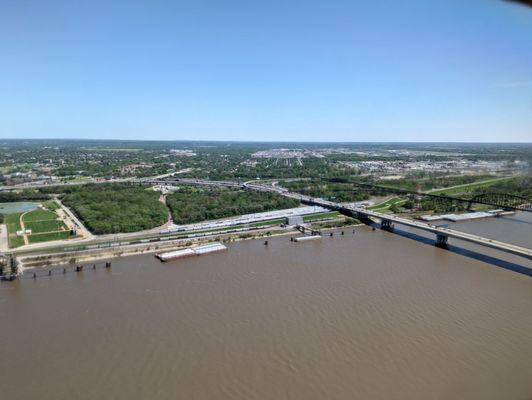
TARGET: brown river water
(371,315)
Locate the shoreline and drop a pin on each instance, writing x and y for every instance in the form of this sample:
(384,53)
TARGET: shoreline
(32,262)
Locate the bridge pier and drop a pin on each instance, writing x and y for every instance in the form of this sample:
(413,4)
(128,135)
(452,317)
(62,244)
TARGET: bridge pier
(441,241)
(387,225)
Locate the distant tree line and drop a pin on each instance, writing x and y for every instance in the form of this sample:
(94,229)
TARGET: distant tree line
(423,181)
(335,189)
(519,186)
(25,195)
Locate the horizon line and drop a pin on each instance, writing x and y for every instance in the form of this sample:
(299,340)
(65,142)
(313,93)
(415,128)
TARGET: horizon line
(262,141)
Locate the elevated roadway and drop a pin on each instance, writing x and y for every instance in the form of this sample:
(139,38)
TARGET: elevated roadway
(388,220)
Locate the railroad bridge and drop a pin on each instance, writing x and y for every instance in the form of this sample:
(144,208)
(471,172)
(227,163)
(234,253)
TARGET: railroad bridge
(493,199)
(387,221)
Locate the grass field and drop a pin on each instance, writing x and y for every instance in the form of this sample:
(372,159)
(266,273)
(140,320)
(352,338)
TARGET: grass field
(46,237)
(278,221)
(39,215)
(469,186)
(317,217)
(13,225)
(51,225)
(12,221)
(50,205)
(44,224)
(385,205)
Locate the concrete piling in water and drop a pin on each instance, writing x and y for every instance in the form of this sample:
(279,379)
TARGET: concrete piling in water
(93,266)
(108,264)
(64,270)
(342,233)
(50,273)
(34,275)
(331,234)
(266,243)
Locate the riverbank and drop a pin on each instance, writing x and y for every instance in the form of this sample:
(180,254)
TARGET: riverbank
(89,255)
(31,261)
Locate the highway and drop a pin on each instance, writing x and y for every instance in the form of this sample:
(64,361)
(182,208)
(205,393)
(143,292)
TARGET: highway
(147,180)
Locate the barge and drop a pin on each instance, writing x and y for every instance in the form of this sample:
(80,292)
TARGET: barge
(192,251)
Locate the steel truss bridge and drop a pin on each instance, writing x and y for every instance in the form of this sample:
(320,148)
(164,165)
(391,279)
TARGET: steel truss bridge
(493,199)
(387,222)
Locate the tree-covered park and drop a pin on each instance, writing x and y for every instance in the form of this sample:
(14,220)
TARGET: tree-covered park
(114,208)
(191,204)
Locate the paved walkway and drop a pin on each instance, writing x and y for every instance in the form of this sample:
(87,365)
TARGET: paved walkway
(70,219)
(23,228)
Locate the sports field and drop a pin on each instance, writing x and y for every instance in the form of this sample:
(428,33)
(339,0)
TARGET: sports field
(44,224)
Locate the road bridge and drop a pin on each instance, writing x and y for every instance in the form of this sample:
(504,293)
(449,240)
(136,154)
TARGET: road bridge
(387,222)
(191,181)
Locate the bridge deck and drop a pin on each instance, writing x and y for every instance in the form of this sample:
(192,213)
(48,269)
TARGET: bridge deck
(440,231)
(468,237)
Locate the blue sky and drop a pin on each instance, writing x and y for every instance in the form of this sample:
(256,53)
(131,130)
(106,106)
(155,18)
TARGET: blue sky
(413,70)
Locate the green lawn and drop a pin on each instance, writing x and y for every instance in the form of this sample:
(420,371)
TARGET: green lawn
(43,223)
(278,221)
(387,204)
(13,225)
(15,241)
(46,237)
(13,222)
(50,205)
(324,215)
(45,226)
(469,186)
(39,215)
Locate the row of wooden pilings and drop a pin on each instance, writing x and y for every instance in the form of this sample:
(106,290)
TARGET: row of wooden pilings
(331,234)
(63,271)
(8,268)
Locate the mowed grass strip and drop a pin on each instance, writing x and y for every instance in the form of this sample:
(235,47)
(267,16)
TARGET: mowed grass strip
(15,241)
(467,187)
(46,237)
(51,205)
(387,204)
(12,222)
(317,217)
(45,226)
